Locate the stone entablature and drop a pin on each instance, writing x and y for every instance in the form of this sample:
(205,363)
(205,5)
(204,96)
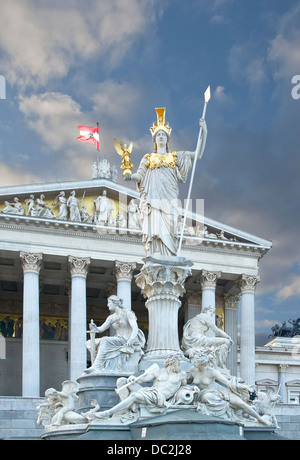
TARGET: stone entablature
(105,207)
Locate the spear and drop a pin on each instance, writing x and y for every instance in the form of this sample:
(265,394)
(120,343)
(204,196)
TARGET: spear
(206,99)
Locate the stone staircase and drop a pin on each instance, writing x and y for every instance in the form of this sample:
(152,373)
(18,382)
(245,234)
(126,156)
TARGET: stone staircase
(18,417)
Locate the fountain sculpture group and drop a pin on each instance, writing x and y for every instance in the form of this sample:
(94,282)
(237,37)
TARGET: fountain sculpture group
(129,381)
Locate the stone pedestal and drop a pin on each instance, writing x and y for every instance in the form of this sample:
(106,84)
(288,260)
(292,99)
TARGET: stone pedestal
(162,281)
(100,387)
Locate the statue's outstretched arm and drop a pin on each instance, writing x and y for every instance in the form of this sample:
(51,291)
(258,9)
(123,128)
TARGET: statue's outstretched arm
(201,140)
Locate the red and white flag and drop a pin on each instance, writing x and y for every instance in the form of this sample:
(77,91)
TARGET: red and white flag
(89,134)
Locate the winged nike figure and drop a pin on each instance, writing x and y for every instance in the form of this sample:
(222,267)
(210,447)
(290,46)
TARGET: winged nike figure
(124,153)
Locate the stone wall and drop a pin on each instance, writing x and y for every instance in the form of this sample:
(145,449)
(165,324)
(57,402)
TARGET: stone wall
(288,416)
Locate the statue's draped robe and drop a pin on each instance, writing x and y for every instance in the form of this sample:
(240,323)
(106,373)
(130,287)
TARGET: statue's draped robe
(159,203)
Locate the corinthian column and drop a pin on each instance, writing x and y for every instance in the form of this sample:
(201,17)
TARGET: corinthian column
(124,272)
(31,264)
(162,283)
(231,321)
(78,322)
(247,286)
(208,281)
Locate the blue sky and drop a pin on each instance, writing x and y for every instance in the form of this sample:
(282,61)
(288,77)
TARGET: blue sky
(69,63)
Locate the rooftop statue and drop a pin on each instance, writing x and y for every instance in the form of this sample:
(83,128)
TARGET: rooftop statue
(157,180)
(286,331)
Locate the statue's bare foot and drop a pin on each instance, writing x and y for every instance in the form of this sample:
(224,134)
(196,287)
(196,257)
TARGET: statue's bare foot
(101,415)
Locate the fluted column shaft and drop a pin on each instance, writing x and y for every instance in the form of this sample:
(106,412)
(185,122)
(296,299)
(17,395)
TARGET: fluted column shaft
(247,354)
(78,320)
(231,322)
(31,264)
(124,272)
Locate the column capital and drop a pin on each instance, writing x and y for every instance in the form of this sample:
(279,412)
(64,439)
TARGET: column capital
(208,279)
(231,301)
(283,367)
(31,262)
(79,266)
(247,283)
(124,270)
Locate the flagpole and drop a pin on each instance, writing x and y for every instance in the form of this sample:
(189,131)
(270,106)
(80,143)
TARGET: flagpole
(206,99)
(98,148)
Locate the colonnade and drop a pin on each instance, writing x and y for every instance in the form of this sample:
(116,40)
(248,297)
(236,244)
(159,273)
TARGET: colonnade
(79,267)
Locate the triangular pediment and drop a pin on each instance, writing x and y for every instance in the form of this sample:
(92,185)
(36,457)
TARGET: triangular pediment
(293,383)
(267,383)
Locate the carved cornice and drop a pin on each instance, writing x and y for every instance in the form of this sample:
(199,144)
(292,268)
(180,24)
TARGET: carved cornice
(247,283)
(124,270)
(208,279)
(79,265)
(31,262)
(89,230)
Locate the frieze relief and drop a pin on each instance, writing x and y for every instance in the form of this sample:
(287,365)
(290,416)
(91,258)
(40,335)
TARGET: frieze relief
(107,215)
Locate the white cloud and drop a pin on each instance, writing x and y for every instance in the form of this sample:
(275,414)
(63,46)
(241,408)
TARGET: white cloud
(54,116)
(246,65)
(15,175)
(43,40)
(290,290)
(220,94)
(115,100)
(284,53)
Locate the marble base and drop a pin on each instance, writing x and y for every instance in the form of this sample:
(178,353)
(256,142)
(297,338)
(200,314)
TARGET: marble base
(184,424)
(100,387)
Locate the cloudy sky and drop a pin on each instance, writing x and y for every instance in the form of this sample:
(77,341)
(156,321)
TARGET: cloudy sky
(68,63)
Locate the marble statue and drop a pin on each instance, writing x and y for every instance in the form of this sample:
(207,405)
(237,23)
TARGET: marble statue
(167,381)
(9,208)
(14,208)
(104,169)
(265,403)
(42,209)
(195,339)
(94,170)
(73,205)
(84,214)
(103,209)
(157,182)
(133,215)
(61,200)
(30,202)
(220,396)
(19,207)
(59,406)
(114,353)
